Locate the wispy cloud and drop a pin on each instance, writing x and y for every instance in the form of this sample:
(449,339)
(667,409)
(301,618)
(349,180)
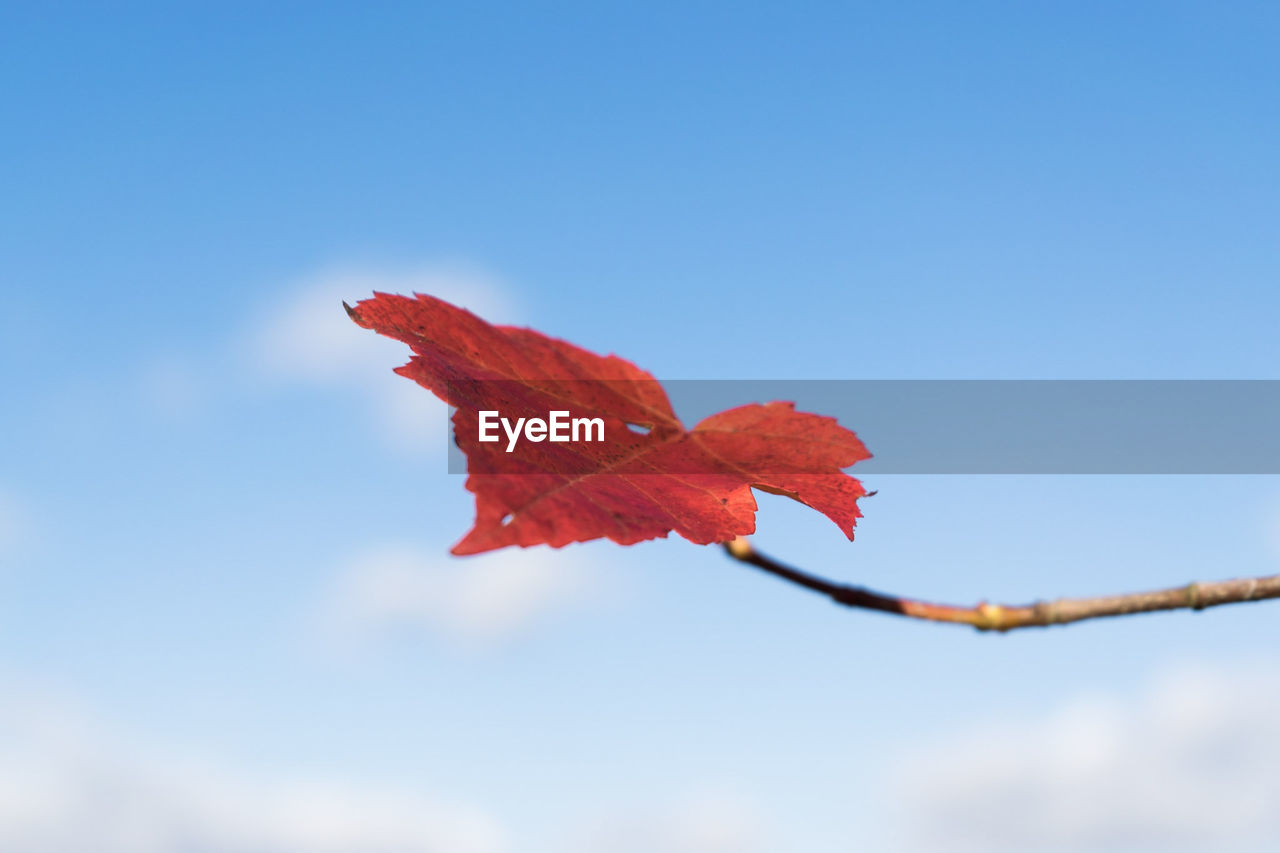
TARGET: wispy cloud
(1191,761)
(305,337)
(68,785)
(710,820)
(478,599)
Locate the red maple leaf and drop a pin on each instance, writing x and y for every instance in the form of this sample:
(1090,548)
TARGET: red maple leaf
(633,485)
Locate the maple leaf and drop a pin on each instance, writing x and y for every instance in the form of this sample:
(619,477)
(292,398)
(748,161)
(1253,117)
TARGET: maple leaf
(648,476)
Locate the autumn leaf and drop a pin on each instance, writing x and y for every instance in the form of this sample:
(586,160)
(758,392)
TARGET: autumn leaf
(647,477)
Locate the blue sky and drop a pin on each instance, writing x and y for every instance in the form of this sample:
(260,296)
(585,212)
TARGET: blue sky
(224,523)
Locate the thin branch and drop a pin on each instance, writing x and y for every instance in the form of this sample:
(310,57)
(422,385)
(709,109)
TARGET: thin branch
(1003,617)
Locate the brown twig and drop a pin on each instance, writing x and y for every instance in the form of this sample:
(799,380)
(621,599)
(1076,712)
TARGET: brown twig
(1003,617)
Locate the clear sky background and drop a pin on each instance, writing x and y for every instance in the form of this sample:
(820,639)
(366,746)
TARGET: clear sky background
(228,620)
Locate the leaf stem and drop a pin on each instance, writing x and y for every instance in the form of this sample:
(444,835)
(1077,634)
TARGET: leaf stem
(1004,617)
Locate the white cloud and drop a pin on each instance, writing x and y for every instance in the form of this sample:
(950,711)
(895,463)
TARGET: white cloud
(481,598)
(1192,761)
(66,785)
(706,821)
(306,337)
(70,784)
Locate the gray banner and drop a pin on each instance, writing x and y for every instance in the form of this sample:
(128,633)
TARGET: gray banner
(1023,426)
